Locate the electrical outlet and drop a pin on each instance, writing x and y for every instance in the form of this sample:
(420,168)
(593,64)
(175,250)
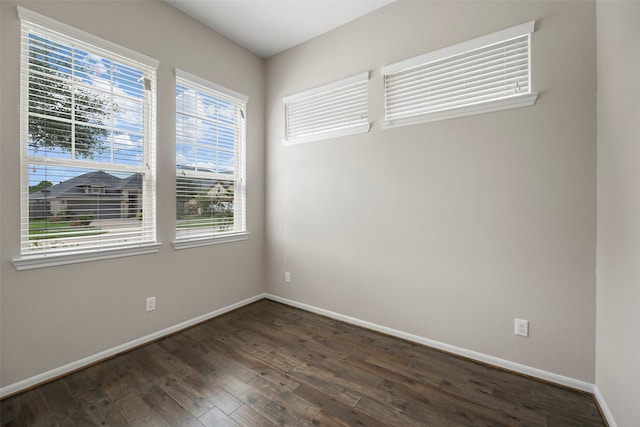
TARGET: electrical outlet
(287,277)
(522,327)
(151,304)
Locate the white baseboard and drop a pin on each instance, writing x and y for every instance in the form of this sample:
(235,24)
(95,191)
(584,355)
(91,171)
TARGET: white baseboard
(495,361)
(603,407)
(502,363)
(79,364)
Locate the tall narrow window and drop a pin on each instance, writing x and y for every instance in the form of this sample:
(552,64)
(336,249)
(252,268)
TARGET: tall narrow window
(210,162)
(486,74)
(337,109)
(88,145)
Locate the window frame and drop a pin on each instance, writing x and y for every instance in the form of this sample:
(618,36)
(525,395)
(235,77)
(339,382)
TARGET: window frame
(506,102)
(350,94)
(240,102)
(147,243)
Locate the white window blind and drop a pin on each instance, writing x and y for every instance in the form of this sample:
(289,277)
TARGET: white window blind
(336,109)
(87,142)
(210,161)
(489,73)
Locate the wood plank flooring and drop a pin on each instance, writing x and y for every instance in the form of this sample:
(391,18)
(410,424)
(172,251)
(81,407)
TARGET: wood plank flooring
(270,364)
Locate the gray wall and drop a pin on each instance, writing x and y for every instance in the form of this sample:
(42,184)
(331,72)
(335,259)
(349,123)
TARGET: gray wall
(618,298)
(447,230)
(54,316)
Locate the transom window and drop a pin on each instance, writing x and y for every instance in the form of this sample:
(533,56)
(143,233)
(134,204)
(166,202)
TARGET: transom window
(335,109)
(486,74)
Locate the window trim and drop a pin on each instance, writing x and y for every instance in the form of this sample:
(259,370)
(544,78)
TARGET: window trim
(334,133)
(513,101)
(32,260)
(69,31)
(196,242)
(180,74)
(232,236)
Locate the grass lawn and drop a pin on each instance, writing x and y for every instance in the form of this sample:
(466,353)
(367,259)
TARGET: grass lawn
(44,229)
(205,221)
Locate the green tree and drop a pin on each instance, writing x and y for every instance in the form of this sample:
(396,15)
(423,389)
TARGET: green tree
(51,95)
(40,186)
(187,190)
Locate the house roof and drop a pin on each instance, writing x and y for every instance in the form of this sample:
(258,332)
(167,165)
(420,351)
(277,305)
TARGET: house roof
(76,185)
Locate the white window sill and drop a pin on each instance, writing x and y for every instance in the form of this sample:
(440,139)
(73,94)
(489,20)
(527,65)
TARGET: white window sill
(353,130)
(29,262)
(195,242)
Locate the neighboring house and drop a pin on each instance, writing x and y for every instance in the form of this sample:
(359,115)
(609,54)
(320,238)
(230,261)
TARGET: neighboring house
(200,198)
(97,193)
(221,196)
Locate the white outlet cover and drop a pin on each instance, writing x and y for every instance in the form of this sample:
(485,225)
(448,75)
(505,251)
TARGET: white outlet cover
(522,327)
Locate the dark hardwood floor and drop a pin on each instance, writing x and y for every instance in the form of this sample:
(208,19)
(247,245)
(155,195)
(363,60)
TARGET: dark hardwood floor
(269,364)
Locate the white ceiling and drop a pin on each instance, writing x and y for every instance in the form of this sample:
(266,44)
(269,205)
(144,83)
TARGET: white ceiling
(268,27)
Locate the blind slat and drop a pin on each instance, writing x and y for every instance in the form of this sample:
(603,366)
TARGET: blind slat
(429,75)
(464,59)
(351,111)
(505,82)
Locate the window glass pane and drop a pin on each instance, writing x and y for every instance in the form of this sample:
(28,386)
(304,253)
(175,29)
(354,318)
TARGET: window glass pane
(49,95)
(204,206)
(209,143)
(72,205)
(225,162)
(49,57)
(129,81)
(127,113)
(50,138)
(91,143)
(128,149)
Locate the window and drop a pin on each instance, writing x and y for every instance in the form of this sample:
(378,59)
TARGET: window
(336,109)
(210,163)
(87,146)
(486,74)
